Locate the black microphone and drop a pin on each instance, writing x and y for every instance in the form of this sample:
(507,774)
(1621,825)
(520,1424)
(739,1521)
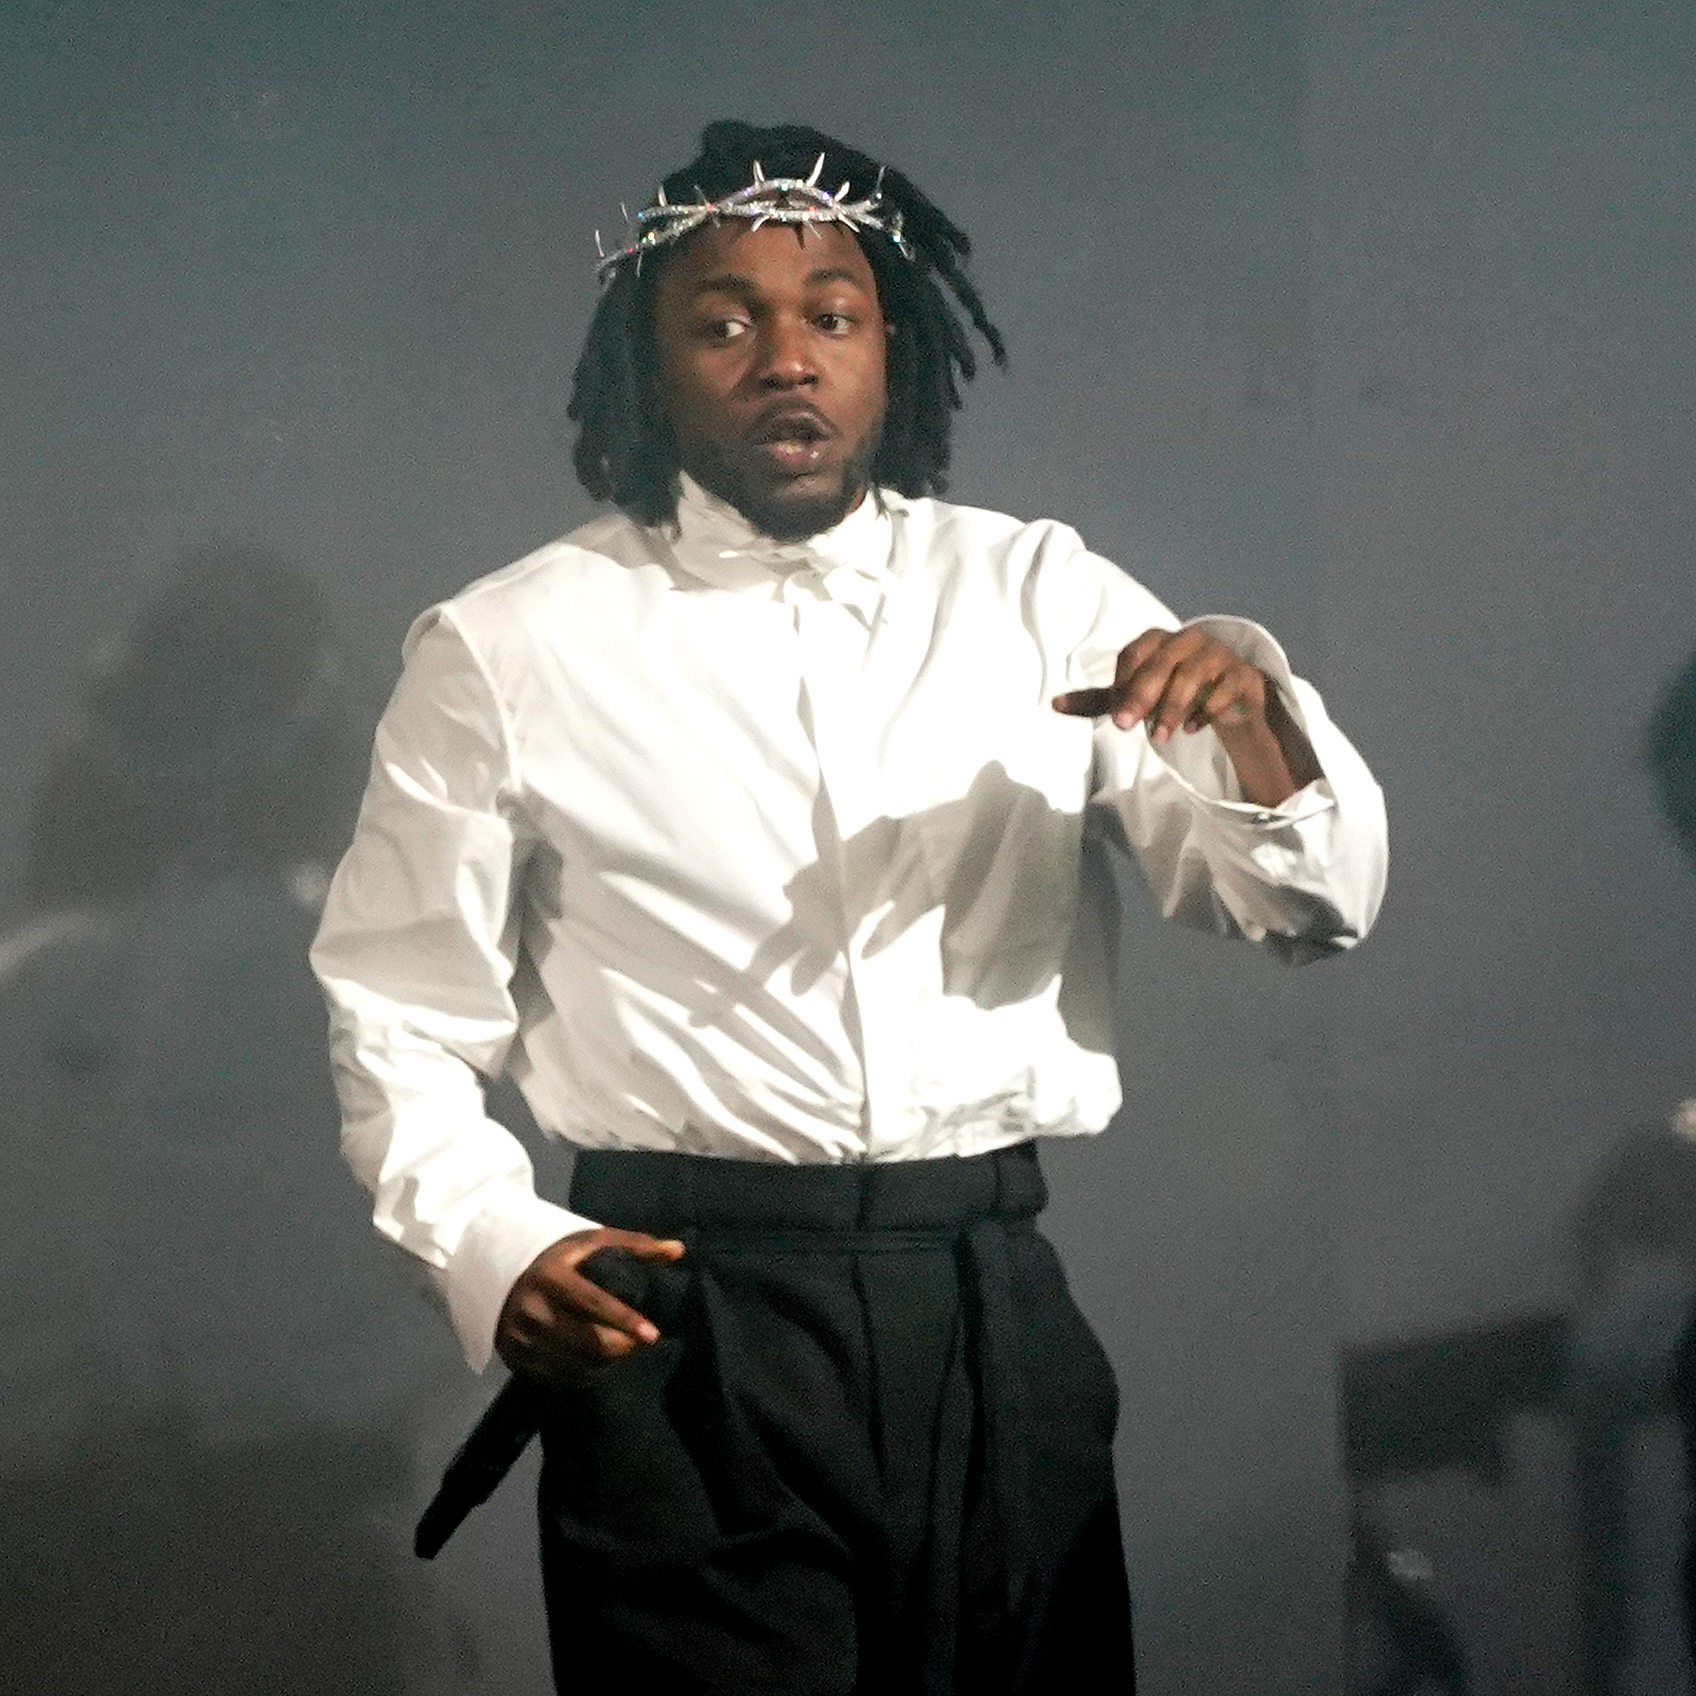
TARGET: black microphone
(512,1419)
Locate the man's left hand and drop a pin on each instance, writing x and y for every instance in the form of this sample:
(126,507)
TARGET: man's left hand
(1184,679)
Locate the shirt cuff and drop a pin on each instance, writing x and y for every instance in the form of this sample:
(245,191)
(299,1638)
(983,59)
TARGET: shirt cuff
(496,1249)
(1202,766)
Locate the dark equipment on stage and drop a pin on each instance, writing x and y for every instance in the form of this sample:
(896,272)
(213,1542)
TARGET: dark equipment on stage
(1422,1405)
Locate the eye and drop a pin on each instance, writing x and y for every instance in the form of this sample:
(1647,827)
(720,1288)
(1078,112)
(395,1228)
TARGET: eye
(834,323)
(723,329)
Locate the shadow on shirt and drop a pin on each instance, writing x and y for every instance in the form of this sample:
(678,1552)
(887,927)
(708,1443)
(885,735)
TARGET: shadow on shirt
(1002,864)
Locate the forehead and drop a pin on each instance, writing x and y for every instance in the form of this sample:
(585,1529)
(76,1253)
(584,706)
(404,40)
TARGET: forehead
(774,259)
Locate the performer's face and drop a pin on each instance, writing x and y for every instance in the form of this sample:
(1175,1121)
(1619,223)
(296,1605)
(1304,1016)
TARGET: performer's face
(770,346)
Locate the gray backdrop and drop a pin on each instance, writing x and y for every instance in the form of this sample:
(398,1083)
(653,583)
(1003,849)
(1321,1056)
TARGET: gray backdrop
(1373,322)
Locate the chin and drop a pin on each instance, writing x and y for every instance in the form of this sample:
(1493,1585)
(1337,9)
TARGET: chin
(795,517)
(793,514)
(786,512)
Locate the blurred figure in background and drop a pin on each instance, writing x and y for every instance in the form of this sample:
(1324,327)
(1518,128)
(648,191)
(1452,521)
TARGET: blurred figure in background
(1672,758)
(222,732)
(1621,1355)
(1634,1237)
(206,1412)
(1672,754)
(1632,1348)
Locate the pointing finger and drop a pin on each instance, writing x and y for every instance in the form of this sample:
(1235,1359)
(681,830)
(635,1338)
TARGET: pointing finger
(1084,703)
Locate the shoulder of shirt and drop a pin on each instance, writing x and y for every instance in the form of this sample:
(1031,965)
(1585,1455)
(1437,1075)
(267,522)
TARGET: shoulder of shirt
(968,538)
(608,545)
(975,543)
(593,557)
(1043,565)
(966,527)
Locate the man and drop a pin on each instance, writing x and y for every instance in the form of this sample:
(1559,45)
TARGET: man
(743,827)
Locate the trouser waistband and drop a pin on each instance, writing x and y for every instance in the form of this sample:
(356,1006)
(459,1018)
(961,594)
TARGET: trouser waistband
(677,1194)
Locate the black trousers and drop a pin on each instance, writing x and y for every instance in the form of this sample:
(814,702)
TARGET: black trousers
(870,1455)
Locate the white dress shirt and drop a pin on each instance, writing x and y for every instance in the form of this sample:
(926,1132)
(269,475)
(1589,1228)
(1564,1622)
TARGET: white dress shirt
(772,851)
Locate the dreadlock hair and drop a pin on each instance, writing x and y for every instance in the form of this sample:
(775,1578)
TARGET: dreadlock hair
(625,452)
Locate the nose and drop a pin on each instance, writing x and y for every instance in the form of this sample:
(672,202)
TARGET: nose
(786,356)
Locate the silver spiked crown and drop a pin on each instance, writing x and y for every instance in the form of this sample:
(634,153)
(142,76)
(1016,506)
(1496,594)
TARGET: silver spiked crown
(766,200)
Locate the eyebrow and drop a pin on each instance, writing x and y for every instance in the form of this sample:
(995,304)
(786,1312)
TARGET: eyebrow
(731,282)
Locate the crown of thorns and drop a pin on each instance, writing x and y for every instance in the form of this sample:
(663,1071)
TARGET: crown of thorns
(766,200)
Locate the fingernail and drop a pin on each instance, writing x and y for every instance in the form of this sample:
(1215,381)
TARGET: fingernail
(648,1333)
(1161,733)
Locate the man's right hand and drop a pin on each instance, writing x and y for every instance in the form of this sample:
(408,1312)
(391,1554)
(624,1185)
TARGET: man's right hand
(562,1327)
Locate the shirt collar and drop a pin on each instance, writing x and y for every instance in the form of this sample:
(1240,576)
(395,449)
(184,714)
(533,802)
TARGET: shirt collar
(712,541)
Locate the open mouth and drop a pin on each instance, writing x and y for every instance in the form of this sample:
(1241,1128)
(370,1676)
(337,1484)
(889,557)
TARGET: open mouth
(793,424)
(793,441)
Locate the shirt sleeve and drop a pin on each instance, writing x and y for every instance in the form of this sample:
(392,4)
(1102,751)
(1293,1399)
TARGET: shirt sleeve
(416,954)
(1302,879)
